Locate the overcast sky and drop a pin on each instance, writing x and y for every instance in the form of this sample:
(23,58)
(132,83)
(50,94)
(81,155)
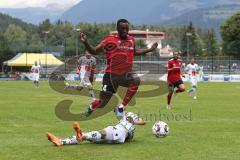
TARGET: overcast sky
(35,3)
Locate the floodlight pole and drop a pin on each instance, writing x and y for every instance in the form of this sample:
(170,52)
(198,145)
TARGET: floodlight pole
(77,30)
(188,34)
(46,49)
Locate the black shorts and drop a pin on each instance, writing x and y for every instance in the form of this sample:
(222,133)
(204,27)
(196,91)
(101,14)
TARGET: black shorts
(174,85)
(111,81)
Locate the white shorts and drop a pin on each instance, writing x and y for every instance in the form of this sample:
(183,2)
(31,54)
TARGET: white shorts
(115,134)
(35,77)
(84,79)
(193,81)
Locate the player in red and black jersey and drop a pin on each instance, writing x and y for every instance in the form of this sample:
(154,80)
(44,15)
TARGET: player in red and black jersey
(174,77)
(119,51)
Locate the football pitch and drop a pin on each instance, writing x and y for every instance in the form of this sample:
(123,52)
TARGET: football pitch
(206,128)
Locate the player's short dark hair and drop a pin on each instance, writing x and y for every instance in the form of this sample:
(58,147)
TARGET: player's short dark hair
(122,21)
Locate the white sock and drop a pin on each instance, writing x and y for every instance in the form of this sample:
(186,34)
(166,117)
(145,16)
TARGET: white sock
(91,93)
(121,106)
(70,140)
(74,87)
(195,91)
(93,136)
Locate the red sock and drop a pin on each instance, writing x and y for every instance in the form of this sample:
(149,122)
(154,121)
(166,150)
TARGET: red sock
(95,104)
(169,97)
(132,90)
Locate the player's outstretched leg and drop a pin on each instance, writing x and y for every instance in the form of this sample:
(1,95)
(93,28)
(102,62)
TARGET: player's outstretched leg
(60,142)
(68,86)
(91,92)
(37,84)
(131,91)
(99,103)
(180,88)
(55,140)
(70,140)
(190,91)
(94,136)
(194,92)
(169,97)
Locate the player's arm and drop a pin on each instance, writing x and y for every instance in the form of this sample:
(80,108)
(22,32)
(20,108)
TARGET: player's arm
(31,70)
(93,68)
(186,69)
(40,66)
(94,65)
(144,51)
(182,71)
(198,68)
(91,49)
(79,63)
(139,121)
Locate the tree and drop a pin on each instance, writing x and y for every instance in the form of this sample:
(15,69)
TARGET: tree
(60,32)
(174,37)
(211,46)
(43,27)
(230,32)
(62,35)
(16,37)
(35,44)
(5,53)
(191,42)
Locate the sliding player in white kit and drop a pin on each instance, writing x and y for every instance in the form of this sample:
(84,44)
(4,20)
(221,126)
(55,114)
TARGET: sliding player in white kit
(192,70)
(123,131)
(85,69)
(36,73)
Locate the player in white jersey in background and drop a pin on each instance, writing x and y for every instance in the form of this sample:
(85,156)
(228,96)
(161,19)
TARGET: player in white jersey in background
(85,69)
(192,70)
(36,73)
(123,131)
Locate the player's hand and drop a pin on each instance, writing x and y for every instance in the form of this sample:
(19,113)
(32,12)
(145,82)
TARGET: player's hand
(154,46)
(83,37)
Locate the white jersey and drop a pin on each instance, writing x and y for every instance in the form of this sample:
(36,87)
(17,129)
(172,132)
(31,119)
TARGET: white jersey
(36,72)
(86,65)
(192,70)
(123,130)
(36,69)
(125,123)
(85,72)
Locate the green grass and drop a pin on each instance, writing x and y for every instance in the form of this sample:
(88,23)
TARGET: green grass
(213,132)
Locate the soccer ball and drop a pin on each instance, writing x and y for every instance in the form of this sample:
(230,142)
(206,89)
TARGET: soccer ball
(160,129)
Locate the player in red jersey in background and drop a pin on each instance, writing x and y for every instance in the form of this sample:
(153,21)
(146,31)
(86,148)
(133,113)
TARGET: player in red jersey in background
(174,77)
(119,51)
